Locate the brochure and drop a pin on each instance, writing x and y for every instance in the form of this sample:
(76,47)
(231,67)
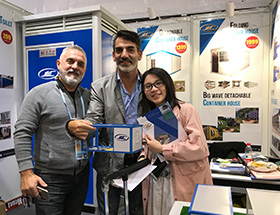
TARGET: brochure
(134,178)
(274,175)
(162,124)
(236,169)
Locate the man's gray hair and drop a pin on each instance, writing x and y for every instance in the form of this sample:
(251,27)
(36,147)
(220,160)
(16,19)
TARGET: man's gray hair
(74,47)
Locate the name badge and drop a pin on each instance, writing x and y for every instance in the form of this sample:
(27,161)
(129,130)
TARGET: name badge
(80,149)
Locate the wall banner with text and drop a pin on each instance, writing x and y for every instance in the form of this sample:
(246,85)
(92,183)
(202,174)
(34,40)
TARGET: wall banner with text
(231,72)
(274,146)
(168,46)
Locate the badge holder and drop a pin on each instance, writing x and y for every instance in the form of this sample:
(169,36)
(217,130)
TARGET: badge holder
(81,149)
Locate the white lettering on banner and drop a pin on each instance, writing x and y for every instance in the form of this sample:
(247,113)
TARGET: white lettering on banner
(14,203)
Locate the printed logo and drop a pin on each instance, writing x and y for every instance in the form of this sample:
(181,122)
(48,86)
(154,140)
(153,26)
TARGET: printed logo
(209,28)
(122,137)
(6,37)
(145,34)
(252,42)
(48,73)
(181,47)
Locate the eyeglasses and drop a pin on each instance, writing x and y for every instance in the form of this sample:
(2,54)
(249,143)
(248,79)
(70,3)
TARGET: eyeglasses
(156,84)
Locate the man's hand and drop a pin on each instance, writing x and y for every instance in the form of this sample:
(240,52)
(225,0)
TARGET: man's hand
(154,145)
(29,182)
(80,128)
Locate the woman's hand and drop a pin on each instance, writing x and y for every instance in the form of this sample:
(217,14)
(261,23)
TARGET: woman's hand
(154,145)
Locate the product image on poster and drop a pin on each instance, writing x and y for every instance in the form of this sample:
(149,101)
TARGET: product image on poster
(209,84)
(229,62)
(247,115)
(5,130)
(211,132)
(179,86)
(164,59)
(223,84)
(167,46)
(276,143)
(250,84)
(6,81)
(5,117)
(231,124)
(227,124)
(276,75)
(276,121)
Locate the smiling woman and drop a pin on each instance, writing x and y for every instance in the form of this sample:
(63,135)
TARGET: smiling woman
(187,160)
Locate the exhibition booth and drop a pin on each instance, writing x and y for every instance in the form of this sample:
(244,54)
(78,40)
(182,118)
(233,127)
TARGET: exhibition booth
(226,65)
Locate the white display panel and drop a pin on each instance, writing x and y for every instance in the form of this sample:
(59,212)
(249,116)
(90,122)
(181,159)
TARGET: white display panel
(231,77)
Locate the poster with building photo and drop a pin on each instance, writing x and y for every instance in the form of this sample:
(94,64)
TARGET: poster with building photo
(231,76)
(167,46)
(10,178)
(7,73)
(274,149)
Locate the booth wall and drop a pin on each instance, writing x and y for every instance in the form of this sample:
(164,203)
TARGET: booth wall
(226,117)
(11,95)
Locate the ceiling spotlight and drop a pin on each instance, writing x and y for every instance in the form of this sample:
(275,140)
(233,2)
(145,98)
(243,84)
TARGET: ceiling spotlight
(152,13)
(230,9)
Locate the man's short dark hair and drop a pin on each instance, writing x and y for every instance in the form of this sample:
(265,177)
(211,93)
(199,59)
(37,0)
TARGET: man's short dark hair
(128,35)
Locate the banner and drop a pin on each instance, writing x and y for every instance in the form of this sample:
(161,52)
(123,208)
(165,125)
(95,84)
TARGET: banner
(10,180)
(231,72)
(167,46)
(274,146)
(7,74)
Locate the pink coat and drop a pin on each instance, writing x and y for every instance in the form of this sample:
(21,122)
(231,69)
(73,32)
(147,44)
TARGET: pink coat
(189,159)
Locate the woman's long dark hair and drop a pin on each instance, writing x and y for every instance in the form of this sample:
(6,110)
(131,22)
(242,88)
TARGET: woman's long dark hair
(169,85)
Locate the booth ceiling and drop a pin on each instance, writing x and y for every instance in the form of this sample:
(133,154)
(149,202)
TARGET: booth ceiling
(129,9)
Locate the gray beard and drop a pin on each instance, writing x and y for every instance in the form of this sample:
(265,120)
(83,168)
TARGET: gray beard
(127,69)
(70,80)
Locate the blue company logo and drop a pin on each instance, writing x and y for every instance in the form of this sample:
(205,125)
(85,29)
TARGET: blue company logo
(48,73)
(145,34)
(209,27)
(122,137)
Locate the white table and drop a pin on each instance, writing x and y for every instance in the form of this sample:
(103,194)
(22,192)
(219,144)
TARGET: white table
(244,182)
(260,202)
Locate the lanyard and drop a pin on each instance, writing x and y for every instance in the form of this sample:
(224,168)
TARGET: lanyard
(64,101)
